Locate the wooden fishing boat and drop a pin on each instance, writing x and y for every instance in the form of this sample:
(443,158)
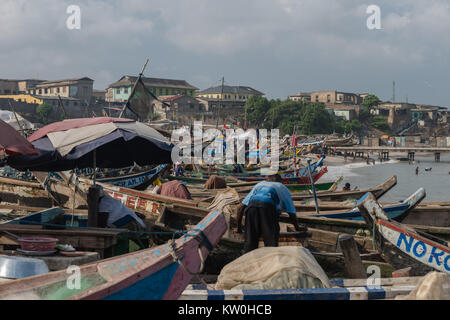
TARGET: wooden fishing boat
(397,211)
(196,183)
(427,213)
(290,178)
(403,246)
(360,292)
(157,273)
(339,142)
(138,181)
(378,191)
(15,191)
(150,204)
(25,193)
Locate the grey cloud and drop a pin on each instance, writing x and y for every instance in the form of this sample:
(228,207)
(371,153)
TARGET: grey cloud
(278,46)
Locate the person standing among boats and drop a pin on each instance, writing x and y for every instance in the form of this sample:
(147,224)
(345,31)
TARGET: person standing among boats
(174,189)
(262,208)
(112,213)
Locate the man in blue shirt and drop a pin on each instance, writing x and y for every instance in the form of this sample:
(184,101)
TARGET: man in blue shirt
(262,208)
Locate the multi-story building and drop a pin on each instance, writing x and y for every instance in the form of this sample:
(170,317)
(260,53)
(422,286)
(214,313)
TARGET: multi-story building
(302,96)
(336,97)
(9,86)
(99,95)
(345,112)
(226,94)
(80,88)
(37,100)
(120,91)
(28,84)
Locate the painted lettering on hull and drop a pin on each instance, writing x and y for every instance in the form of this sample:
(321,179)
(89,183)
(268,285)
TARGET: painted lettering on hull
(420,250)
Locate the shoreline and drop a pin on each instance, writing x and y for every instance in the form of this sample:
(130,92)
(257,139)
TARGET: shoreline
(337,161)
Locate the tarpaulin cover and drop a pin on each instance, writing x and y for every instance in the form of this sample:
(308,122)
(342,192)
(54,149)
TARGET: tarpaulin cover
(72,124)
(12,143)
(117,143)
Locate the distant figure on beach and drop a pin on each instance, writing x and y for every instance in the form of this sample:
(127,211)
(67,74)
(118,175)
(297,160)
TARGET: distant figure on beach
(417,171)
(346,187)
(178,170)
(262,208)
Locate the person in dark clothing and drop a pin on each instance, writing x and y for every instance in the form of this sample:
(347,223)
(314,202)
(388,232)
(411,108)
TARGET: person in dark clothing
(262,208)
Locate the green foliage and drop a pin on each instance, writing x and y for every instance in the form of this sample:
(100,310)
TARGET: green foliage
(370,101)
(348,126)
(256,108)
(285,115)
(380,122)
(44,111)
(316,119)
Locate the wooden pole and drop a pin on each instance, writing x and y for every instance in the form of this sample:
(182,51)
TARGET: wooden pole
(17,119)
(313,187)
(62,106)
(93,198)
(352,259)
(95,163)
(134,89)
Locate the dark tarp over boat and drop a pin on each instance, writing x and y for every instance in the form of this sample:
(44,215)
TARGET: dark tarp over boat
(117,143)
(12,143)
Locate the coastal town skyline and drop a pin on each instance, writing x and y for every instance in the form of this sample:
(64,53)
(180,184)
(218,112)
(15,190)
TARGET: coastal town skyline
(281,48)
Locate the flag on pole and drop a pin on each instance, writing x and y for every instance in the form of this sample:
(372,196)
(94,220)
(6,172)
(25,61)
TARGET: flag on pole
(141,101)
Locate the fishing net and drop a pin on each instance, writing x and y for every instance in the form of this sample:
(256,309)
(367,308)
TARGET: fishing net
(273,268)
(434,286)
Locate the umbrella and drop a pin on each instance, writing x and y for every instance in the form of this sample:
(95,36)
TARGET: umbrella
(12,143)
(94,142)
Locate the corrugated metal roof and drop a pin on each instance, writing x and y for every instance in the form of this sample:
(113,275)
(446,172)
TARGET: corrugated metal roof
(154,82)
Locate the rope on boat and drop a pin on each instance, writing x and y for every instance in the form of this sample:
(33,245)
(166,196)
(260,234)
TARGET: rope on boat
(46,184)
(73,201)
(373,236)
(172,251)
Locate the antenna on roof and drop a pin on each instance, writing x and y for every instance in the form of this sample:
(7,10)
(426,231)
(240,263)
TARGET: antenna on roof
(393,91)
(143,68)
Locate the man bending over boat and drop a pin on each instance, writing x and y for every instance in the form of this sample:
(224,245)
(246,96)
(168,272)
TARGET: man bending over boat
(112,213)
(263,207)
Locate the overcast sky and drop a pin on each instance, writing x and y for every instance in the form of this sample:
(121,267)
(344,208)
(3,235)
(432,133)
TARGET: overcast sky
(279,47)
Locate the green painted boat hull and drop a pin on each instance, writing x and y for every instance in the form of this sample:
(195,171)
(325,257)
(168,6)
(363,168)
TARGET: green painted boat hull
(303,187)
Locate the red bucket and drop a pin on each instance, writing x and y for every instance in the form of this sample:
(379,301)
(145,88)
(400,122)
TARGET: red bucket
(38,244)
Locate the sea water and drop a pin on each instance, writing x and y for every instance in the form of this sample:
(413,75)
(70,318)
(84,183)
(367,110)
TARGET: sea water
(436,182)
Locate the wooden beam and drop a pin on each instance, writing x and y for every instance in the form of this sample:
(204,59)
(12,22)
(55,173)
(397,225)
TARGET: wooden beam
(93,198)
(352,259)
